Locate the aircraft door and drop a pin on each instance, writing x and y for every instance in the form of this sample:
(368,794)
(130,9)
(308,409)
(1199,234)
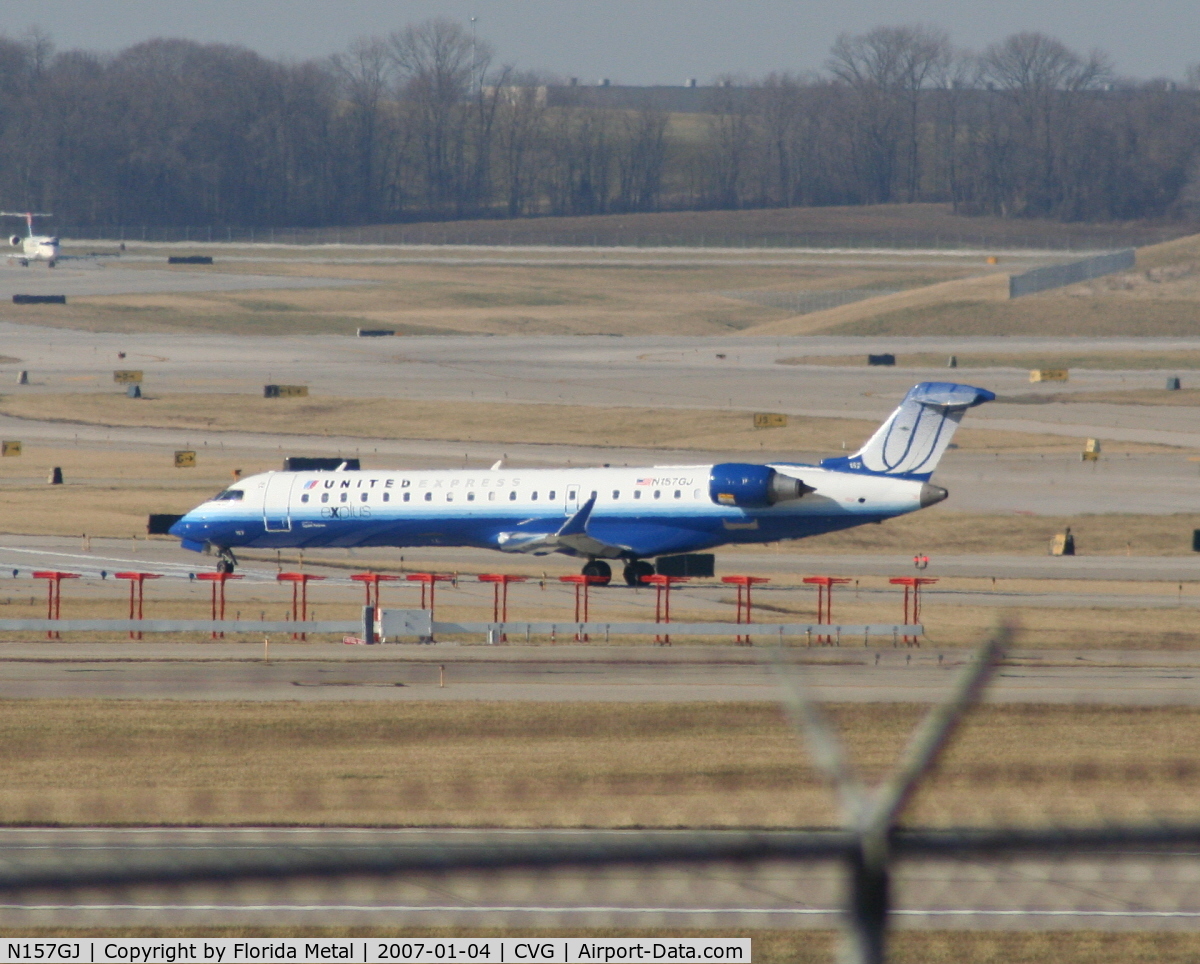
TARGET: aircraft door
(277,512)
(572,503)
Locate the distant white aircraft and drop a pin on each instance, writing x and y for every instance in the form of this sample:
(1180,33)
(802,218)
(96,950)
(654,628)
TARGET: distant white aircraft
(34,247)
(626,514)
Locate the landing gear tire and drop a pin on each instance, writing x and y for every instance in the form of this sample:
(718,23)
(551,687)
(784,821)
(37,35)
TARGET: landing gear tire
(226,563)
(636,570)
(598,568)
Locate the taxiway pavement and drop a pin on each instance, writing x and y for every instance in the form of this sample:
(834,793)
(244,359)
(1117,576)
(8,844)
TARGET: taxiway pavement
(164,556)
(657,372)
(87,280)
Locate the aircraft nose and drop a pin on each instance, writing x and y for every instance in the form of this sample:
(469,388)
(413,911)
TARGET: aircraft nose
(932,495)
(190,532)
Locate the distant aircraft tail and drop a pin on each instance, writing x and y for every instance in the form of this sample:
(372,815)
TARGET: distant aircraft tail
(911,442)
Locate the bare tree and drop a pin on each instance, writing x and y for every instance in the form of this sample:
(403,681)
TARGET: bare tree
(1042,80)
(780,107)
(172,132)
(441,66)
(579,158)
(520,129)
(732,141)
(887,68)
(641,159)
(365,76)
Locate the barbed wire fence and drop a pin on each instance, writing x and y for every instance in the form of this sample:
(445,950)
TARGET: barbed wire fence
(883,865)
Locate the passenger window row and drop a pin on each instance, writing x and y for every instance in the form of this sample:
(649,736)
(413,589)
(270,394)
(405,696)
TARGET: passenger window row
(470,496)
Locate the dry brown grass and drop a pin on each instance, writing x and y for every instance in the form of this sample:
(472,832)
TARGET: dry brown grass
(1186,397)
(886,225)
(988,290)
(651,428)
(108,491)
(940,530)
(1104,361)
(1050,314)
(420,299)
(609,765)
(1159,299)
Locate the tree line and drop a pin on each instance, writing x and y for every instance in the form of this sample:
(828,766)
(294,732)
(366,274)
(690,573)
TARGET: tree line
(421,124)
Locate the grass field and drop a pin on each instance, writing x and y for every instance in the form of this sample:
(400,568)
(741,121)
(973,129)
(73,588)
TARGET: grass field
(1103,361)
(1185,397)
(1159,299)
(602,292)
(417,299)
(606,765)
(500,422)
(885,225)
(1050,314)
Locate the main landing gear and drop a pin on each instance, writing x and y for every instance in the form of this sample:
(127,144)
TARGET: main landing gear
(226,561)
(636,570)
(598,568)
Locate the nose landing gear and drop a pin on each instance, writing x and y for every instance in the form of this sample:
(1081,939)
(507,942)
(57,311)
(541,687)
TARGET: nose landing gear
(226,561)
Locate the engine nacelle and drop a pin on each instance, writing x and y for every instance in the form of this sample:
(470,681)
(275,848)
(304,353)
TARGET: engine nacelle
(752,486)
(16,240)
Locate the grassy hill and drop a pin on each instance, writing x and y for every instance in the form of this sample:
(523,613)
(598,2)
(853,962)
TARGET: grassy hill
(1160,298)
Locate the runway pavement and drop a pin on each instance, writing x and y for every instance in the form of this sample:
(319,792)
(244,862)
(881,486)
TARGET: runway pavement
(1091,891)
(596,673)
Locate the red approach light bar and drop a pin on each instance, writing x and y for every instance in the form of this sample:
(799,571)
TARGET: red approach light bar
(137,590)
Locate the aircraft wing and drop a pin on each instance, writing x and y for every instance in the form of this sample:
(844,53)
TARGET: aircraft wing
(602,538)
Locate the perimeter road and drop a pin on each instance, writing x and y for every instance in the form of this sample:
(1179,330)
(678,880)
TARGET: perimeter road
(1121,891)
(618,674)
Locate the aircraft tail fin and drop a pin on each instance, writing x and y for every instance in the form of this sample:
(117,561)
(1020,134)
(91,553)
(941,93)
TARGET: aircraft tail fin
(911,442)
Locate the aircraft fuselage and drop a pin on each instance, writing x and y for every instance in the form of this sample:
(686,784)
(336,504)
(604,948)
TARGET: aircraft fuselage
(637,512)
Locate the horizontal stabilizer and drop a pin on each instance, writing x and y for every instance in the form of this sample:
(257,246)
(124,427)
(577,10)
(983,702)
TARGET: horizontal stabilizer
(911,442)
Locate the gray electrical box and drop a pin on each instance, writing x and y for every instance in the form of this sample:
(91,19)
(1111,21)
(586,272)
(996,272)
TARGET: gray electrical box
(395,623)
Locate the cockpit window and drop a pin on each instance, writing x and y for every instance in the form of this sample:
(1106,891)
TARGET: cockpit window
(229,495)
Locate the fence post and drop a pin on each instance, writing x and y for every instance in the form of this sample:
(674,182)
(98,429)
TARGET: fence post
(869,814)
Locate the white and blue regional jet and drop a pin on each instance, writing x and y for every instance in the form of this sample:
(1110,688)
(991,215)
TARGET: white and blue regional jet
(597,514)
